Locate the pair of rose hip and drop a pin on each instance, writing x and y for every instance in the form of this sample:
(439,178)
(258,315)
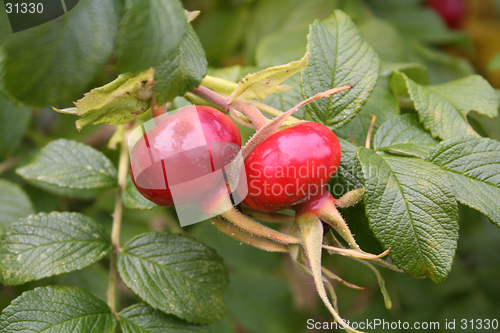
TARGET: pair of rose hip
(288,170)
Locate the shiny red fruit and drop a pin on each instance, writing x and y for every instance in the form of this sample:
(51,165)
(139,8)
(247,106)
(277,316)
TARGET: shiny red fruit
(176,160)
(290,166)
(451,11)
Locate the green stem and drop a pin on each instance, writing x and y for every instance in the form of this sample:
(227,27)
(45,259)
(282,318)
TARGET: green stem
(117,221)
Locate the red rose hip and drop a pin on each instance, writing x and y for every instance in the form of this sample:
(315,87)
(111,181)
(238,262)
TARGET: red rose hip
(290,166)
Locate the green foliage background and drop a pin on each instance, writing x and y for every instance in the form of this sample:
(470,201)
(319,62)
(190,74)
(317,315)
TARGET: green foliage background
(265,294)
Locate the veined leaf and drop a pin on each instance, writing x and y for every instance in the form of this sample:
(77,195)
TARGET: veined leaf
(116,103)
(349,175)
(263,83)
(133,199)
(150,31)
(382,104)
(54,63)
(443,108)
(183,71)
(13,124)
(473,166)
(50,244)
(14,204)
(412,210)
(404,135)
(340,56)
(176,275)
(72,165)
(142,318)
(57,309)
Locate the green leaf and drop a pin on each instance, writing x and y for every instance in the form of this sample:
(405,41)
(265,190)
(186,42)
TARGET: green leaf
(54,63)
(14,204)
(175,274)
(384,38)
(404,135)
(133,199)
(443,108)
(57,309)
(382,104)
(116,103)
(494,64)
(442,67)
(473,166)
(50,244)
(70,164)
(183,71)
(13,125)
(273,41)
(75,193)
(412,210)
(150,31)
(261,84)
(288,99)
(414,71)
(426,25)
(262,303)
(349,175)
(340,56)
(142,318)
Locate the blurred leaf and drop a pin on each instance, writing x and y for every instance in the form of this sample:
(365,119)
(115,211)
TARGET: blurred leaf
(150,31)
(382,104)
(70,165)
(75,193)
(340,56)
(261,84)
(94,279)
(133,199)
(5,29)
(404,135)
(50,244)
(183,71)
(142,318)
(116,103)
(55,62)
(424,24)
(349,176)
(280,48)
(57,309)
(473,166)
(443,108)
(442,67)
(220,32)
(14,204)
(384,38)
(414,71)
(262,305)
(13,125)
(289,29)
(176,275)
(494,64)
(420,220)
(222,326)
